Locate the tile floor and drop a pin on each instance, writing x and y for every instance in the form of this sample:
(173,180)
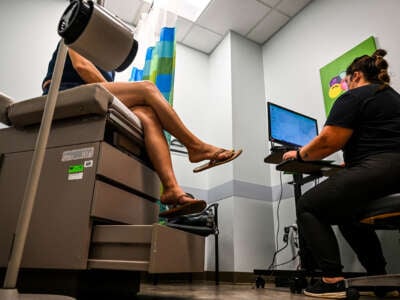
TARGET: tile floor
(204,291)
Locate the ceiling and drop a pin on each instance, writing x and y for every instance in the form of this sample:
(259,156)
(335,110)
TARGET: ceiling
(256,20)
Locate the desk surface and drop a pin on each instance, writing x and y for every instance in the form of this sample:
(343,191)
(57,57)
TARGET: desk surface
(295,166)
(312,168)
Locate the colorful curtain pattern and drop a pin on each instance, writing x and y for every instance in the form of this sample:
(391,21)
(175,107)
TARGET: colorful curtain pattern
(159,66)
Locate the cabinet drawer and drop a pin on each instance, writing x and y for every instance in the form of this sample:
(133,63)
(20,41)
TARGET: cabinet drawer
(126,170)
(153,248)
(114,204)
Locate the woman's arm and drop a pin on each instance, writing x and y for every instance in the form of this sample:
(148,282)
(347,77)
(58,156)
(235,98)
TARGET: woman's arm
(330,140)
(86,70)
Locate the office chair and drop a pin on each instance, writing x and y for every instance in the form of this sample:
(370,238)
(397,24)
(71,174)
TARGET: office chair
(384,214)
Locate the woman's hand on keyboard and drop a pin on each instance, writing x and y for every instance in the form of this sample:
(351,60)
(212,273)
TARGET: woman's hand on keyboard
(289,155)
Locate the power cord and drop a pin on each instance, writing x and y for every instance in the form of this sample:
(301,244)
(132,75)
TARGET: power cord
(286,234)
(278,219)
(277,250)
(286,241)
(288,261)
(259,280)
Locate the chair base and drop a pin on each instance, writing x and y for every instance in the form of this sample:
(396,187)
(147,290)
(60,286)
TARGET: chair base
(378,280)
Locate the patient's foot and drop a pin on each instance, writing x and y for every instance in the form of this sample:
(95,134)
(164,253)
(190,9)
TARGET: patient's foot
(186,204)
(176,197)
(207,151)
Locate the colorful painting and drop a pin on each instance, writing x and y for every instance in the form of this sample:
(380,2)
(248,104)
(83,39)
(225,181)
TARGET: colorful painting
(333,74)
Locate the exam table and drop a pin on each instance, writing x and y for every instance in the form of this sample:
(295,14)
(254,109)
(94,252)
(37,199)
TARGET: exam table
(94,225)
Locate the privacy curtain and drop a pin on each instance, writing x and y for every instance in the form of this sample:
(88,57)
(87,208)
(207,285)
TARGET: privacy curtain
(156,36)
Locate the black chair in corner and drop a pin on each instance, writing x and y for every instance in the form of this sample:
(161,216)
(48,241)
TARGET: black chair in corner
(382,213)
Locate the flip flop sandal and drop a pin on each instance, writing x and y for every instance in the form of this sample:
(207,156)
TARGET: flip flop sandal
(216,162)
(184,209)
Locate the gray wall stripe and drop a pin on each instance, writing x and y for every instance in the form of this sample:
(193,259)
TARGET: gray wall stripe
(242,189)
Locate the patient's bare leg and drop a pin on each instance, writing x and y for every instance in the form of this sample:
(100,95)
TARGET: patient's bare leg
(145,93)
(158,151)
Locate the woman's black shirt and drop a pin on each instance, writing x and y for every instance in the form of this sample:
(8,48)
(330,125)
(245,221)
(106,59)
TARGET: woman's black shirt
(374,115)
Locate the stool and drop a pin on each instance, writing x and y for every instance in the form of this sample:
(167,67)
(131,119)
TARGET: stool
(384,214)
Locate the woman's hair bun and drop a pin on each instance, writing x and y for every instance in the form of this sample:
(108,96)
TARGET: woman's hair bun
(379,52)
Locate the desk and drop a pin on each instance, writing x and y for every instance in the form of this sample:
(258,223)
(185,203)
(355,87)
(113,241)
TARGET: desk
(312,170)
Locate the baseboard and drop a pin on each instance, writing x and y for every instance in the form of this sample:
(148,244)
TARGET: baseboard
(279,277)
(224,277)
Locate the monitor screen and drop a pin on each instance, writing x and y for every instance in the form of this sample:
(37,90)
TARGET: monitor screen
(290,128)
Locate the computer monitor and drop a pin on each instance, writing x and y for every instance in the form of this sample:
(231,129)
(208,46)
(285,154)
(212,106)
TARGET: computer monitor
(290,128)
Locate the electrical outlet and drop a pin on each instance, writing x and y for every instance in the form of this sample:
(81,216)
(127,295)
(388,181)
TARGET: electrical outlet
(286,237)
(290,227)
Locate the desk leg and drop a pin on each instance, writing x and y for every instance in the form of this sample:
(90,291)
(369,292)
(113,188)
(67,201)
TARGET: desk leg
(308,264)
(297,179)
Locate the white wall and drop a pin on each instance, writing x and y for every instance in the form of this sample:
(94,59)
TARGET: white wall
(286,217)
(28,30)
(203,100)
(253,226)
(191,97)
(320,33)
(253,232)
(235,117)
(219,127)
(226,239)
(249,110)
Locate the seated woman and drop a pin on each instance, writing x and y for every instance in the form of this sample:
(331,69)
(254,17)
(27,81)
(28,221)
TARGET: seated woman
(156,115)
(365,123)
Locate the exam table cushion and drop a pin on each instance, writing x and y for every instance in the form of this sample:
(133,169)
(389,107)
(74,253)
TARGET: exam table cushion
(91,99)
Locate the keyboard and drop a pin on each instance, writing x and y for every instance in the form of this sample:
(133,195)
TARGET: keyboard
(282,148)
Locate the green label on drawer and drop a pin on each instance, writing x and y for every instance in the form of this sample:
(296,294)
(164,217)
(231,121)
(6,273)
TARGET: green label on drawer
(75,169)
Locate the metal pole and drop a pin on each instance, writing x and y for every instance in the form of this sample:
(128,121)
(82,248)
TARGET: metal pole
(216,234)
(24,217)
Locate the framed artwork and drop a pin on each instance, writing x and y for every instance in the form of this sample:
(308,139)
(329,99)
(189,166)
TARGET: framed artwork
(333,74)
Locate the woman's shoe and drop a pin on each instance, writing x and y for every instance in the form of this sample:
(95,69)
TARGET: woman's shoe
(322,289)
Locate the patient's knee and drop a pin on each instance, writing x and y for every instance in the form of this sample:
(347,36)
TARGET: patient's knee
(149,87)
(145,113)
